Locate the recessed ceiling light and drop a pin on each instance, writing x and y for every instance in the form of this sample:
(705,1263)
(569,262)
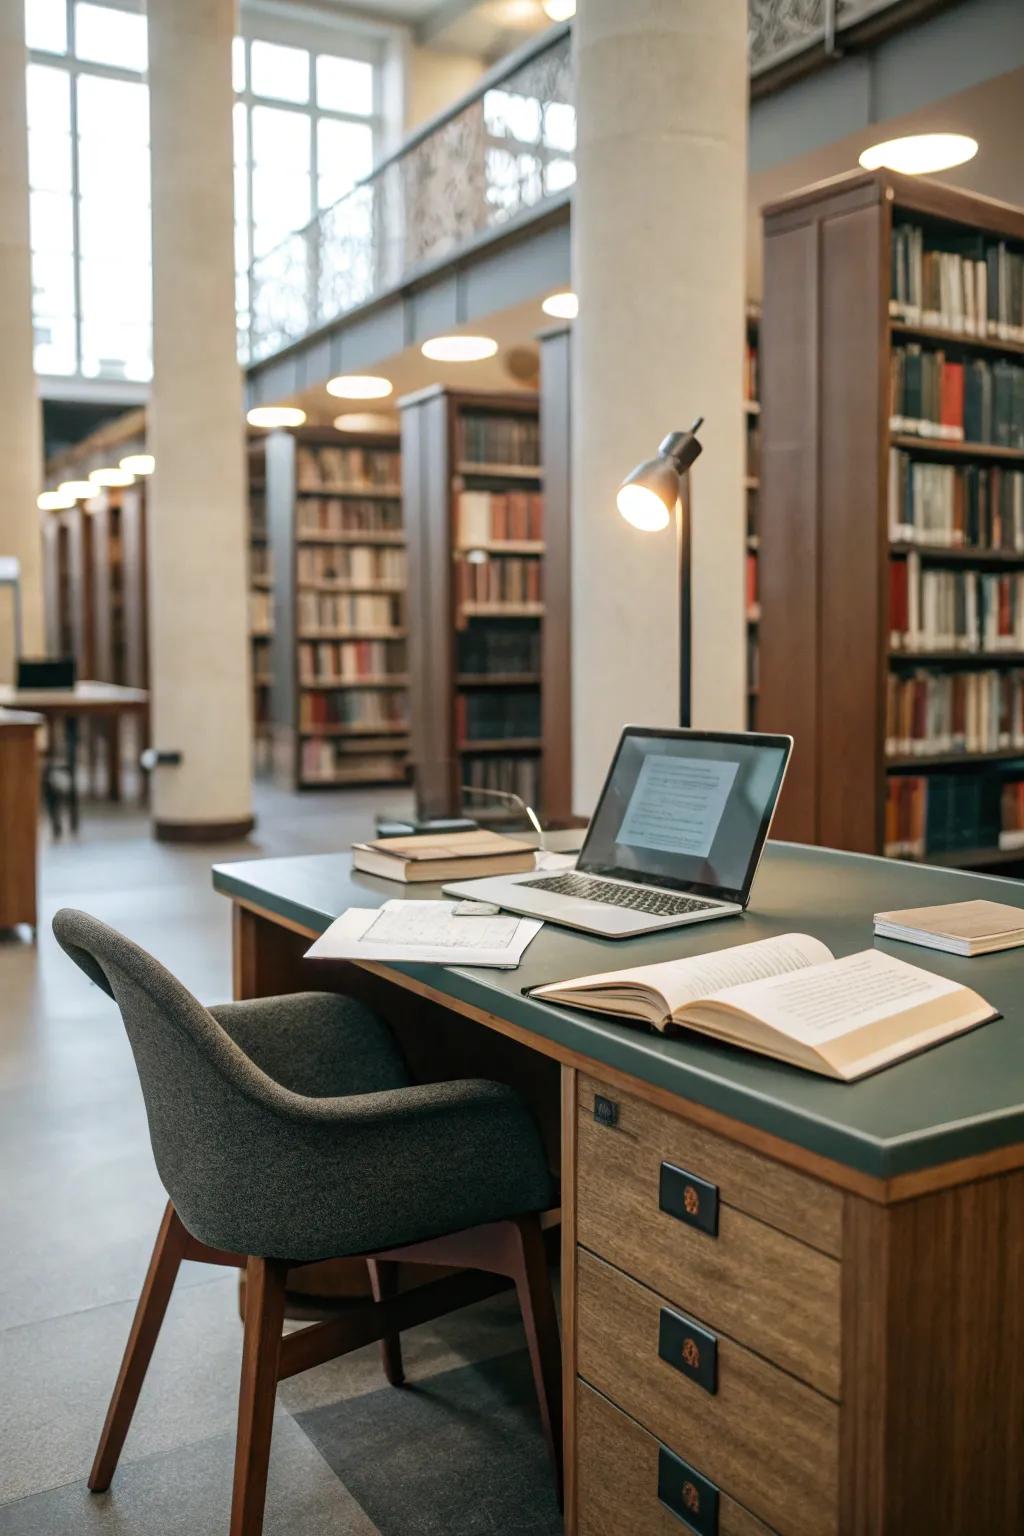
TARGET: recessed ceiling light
(563,306)
(365,421)
(275,416)
(459,349)
(139,463)
(111,476)
(54,501)
(920,153)
(513,11)
(359,386)
(560,10)
(76,488)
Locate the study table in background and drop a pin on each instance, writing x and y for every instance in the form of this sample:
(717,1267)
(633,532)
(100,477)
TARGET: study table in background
(87,700)
(793,1305)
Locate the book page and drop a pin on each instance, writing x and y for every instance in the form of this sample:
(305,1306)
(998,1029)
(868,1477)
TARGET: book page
(683,981)
(827,1001)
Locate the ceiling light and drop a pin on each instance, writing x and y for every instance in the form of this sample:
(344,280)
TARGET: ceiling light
(54,501)
(459,349)
(359,386)
(76,488)
(139,463)
(111,477)
(560,10)
(920,153)
(562,306)
(275,416)
(365,421)
(513,11)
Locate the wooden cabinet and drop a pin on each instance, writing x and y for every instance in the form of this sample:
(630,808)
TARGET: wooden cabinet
(19,817)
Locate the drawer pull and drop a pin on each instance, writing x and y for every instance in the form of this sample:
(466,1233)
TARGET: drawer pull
(606,1111)
(689,1348)
(689,1199)
(690,1497)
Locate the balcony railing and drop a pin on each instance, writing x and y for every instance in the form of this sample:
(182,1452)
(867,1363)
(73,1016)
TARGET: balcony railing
(502,152)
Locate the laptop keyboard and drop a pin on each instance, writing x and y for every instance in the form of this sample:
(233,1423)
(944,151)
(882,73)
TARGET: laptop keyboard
(655,903)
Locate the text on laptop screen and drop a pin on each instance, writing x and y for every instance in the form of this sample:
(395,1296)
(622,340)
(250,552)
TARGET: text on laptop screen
(686,810)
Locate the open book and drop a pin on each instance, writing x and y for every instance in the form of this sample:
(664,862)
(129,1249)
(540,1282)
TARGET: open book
(789,997)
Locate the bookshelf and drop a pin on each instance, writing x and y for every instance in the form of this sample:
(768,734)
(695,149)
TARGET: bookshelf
(752,419)
(261,600)
(488,558)
(892,518)
(338,698)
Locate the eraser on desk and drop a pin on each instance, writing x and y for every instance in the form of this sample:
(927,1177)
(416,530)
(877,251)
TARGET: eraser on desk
(475,909)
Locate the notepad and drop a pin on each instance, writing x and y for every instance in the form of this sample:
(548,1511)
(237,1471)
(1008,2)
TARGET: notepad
(788,997)
(426,933)
(959,927)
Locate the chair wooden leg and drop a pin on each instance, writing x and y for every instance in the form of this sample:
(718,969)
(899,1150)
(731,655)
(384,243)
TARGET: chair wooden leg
(536,1302)
(149,1314)
(384,1285)
(261,1353)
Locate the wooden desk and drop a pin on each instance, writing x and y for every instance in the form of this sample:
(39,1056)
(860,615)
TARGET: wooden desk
(845,1350)
(19,817)
(88,700)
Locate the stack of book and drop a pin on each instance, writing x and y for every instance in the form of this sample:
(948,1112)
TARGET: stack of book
(974,401)
(494,517)
(961,610)
(957,281)
(940,713)
(948,506)
(489,438)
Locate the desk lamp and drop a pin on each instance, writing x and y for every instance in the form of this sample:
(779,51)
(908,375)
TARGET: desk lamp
(647,498)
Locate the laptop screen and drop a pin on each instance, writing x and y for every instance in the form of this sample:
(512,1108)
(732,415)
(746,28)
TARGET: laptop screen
(687,809)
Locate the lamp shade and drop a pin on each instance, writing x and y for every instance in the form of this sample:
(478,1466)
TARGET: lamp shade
(648,495)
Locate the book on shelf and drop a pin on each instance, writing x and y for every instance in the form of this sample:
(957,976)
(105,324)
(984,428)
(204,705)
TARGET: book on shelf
(1011,814)
(936,713)
(496,714)
(956,927)
(340,465)
(510,579)
(348,610)
(957,281)
(341,661)
(490,438)
(949,506)
(976,400)
(517,774)
(954,610)
(349,564)
(788,997)
(750,379)
(260,613)
(366,707)
(952,812)
(500,646)
(752,596)
(493,517)
(451,856)
(318,517)
(333,761)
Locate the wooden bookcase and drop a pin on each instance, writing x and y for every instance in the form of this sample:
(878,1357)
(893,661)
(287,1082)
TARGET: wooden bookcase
(752,416)
(261,602)
(832,577)
(339,683)
(484,552)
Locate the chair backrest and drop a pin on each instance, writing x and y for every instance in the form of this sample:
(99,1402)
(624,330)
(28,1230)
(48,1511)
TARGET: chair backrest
(41,672)
(214,1116)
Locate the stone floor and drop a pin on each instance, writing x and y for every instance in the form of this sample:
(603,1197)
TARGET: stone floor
(458,1453)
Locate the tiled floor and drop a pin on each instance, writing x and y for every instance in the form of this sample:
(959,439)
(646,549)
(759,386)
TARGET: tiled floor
(79,1207)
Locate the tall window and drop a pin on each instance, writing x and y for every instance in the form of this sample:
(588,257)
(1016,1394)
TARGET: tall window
(306,129)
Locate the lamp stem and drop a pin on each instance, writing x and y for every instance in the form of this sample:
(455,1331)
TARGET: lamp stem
(683,555)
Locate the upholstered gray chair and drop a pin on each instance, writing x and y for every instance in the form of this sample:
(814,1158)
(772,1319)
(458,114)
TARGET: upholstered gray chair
(286,1131)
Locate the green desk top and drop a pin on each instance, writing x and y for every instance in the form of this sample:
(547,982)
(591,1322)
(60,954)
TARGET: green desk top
(957,1100)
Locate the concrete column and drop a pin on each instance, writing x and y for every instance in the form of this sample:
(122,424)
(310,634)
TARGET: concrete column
(658,252)
(20,426)
(197,543)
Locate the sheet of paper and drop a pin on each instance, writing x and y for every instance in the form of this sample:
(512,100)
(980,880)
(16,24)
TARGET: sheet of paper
(677,804)
(681,981)
(827,1001)
(425,933)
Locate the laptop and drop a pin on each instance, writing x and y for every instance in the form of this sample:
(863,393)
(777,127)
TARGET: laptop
(676,837)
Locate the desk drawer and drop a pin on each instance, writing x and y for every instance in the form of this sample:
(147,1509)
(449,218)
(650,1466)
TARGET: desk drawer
(767,1440)
(745,1243)
(617,1467)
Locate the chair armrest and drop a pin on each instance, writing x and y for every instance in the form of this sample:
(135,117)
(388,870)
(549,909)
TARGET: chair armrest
(317,1044)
